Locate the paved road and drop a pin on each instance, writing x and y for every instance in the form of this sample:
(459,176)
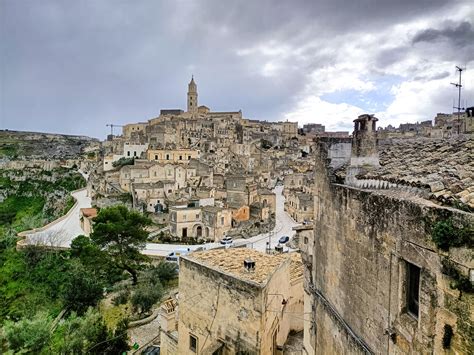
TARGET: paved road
(62,233)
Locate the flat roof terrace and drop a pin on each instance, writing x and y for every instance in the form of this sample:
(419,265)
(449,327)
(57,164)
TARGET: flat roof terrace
(231,261)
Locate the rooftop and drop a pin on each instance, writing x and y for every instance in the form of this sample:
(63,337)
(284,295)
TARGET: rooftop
(231,261)
(212,208)
(444,166)
(89,212)
(263,191)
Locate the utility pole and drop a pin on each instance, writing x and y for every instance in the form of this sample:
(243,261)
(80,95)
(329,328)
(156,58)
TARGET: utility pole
(459,86)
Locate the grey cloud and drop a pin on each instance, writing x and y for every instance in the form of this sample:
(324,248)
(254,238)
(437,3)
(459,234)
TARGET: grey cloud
(390,56)
(74,66)
(437,76)
(460,35)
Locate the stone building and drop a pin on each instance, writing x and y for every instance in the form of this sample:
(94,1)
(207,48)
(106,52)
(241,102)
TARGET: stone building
(241,190)
(179,156)
(132,128)
(238,301)
(299,206)
(376,280)
(185,222)
(86,215)
(267,198)
(152,196)
(217,222)
(313,128)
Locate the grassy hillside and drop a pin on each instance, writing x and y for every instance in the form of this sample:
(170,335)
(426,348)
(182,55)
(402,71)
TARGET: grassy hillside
(33,197)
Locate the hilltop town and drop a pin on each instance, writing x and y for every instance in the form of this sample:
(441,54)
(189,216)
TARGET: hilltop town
(282,239)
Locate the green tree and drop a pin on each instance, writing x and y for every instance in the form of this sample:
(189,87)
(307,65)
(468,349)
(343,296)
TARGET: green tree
(121,234)
(96,261)
(146,295)
(163,272)
(89,335)
(82,290)
(27,336)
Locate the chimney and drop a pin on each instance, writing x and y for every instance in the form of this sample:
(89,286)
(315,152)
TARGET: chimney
(364,142)
(249,265)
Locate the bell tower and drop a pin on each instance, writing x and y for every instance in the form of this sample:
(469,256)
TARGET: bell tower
(192,96)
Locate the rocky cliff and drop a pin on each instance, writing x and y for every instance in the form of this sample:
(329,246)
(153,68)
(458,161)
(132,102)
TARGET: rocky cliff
(18,145)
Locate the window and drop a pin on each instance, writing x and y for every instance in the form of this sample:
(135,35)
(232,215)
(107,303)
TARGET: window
(193,343)
(134,154)
(306,240)
(197,216)
(222,221)
(167,157)
(413,289)
(156,157)
(189,157)
(180,157)
(128,153)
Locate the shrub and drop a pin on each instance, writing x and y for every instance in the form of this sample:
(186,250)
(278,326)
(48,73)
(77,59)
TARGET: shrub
(89,335)
(121,298)
(122,162)
(460,281)
(27,336)
(164,272)
(146,295)
(445,234)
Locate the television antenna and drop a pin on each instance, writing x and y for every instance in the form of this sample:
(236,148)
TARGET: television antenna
(458,85)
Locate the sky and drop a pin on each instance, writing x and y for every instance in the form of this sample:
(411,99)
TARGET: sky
(73,66)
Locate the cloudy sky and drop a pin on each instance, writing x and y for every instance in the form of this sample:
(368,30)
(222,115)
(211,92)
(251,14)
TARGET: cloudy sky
(72,66)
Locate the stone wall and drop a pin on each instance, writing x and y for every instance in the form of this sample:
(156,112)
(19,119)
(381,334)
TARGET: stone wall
(222,307)
(363,242)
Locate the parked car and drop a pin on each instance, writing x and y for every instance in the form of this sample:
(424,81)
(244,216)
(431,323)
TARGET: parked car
(283,239)
(174,256)
(226,241)
(152,350)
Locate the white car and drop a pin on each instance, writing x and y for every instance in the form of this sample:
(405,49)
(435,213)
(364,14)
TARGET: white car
(226,241)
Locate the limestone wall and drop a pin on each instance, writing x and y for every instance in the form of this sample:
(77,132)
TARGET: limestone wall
(363,241)
(222,307)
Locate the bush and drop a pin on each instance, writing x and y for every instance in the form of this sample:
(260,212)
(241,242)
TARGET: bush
(446,235)
(164,272)
(460,281)
(89,335)
(146,295)
(122,162)
(121,298)
(27,336)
